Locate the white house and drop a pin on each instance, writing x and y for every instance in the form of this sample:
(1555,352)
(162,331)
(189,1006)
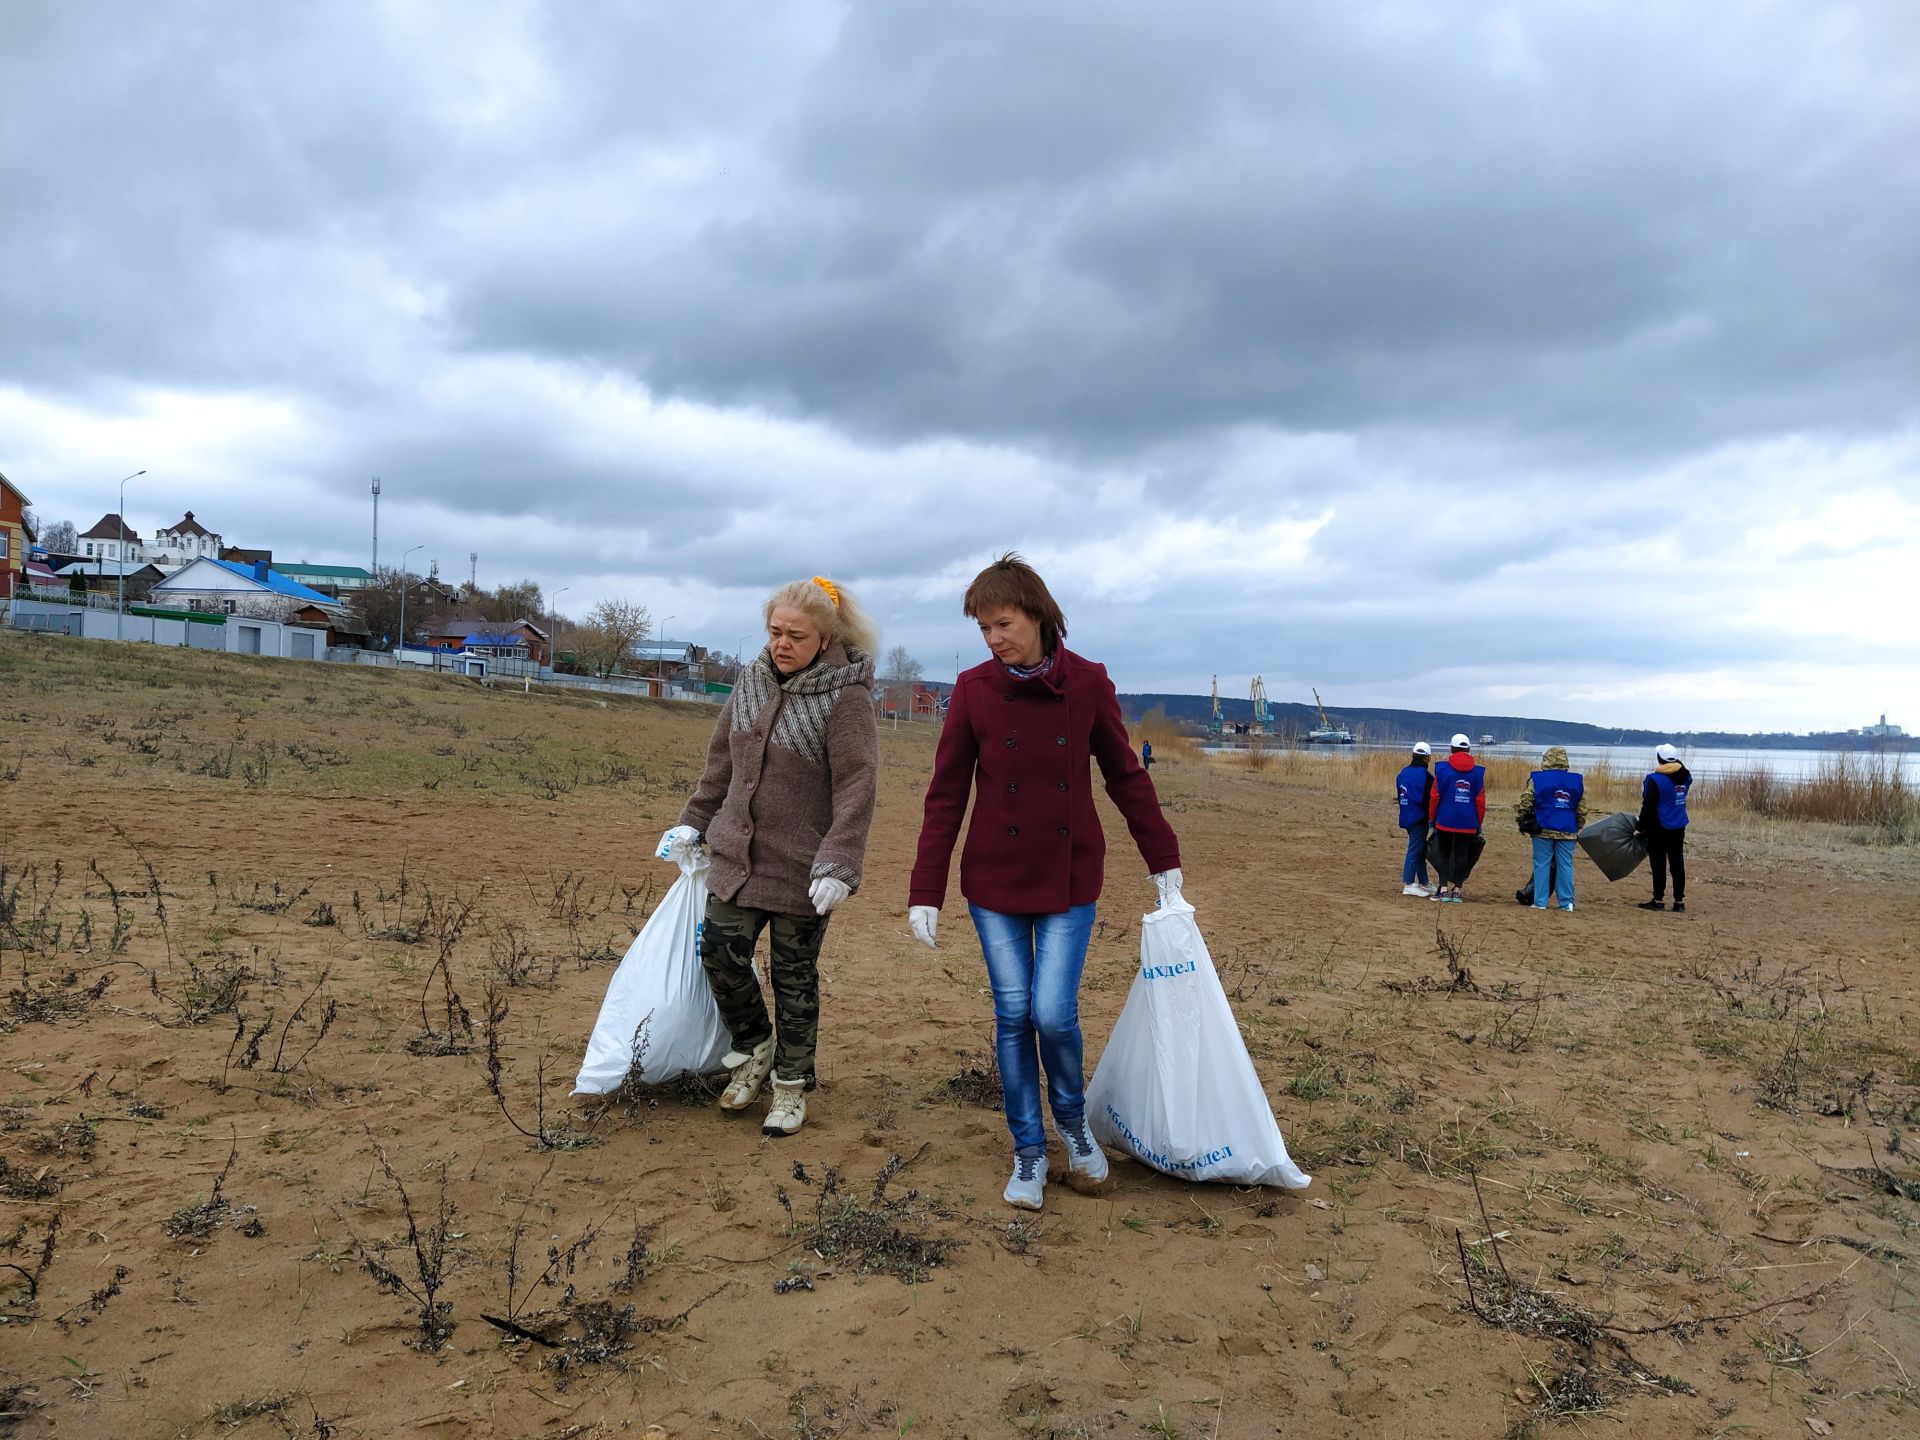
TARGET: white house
(222,587)
(187,540)
(111,538)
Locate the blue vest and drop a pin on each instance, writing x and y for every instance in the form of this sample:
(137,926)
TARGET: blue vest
(1412,784)
(1458,788)
(1673,801)
(1556,799)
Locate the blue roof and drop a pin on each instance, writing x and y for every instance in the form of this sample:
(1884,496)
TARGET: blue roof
(275,581)
(505,639)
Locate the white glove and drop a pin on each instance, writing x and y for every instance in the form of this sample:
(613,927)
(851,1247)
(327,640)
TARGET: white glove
(1166,886)
(924,921)
(826,893)
(679,837)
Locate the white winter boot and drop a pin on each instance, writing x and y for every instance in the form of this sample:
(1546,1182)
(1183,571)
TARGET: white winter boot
(789,1109)
(749,1074)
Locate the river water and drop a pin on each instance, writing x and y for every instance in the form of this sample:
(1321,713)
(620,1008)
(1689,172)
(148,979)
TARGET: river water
(1632,759)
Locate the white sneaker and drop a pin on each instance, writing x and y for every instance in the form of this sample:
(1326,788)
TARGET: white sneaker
(1027,1190)
(789,1110)
(1086,1161)
(749,1074)
(1421,890)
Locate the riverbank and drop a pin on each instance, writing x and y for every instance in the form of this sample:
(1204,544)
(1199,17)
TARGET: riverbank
(236,1028)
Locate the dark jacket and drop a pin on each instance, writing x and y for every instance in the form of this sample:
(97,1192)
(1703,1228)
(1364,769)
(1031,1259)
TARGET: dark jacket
(787,796)
(1023,748)
(1650,794)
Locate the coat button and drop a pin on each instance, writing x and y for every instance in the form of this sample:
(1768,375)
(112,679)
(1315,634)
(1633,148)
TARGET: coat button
(1012,786)
(1061,740)
(1061,786)
(1063,830)
(1013,829)
(1009,742)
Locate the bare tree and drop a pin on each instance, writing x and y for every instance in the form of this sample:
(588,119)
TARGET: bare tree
(897,677)
(611,630)
(519,601)
(901,668)
(60,538)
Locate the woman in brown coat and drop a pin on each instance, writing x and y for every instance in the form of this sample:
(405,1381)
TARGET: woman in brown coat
(783,808)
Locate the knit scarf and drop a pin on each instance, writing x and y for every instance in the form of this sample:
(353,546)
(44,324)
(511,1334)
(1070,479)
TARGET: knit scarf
(1031,672)
(802,723)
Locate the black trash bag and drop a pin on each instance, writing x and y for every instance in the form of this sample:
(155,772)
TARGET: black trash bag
(1525,893)
(1474,850)
(1610,842)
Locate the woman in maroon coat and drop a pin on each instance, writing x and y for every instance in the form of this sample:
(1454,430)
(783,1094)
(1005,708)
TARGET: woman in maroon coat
(1021,732)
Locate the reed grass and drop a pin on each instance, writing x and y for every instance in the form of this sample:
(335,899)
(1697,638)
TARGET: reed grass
(1867,791)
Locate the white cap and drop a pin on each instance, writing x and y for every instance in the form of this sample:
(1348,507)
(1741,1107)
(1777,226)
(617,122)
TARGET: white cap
(1664,753)
(1422,748)
(1460,742)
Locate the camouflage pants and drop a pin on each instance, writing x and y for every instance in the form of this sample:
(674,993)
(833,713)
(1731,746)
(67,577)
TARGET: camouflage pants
(727,942)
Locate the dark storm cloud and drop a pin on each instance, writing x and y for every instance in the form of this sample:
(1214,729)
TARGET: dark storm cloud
(1095,228)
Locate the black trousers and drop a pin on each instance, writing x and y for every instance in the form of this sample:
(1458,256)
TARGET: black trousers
(1664,848)
(1452,856)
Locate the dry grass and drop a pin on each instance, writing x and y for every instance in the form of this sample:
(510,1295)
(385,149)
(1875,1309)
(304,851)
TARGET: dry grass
(1862,790)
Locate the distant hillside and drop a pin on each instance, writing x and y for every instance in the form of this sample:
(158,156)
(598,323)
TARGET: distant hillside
(1386,727)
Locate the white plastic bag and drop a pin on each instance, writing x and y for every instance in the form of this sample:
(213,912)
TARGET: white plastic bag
(660,983)
(1175,1087)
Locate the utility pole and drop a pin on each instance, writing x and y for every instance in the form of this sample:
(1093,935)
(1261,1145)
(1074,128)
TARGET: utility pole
(376,527)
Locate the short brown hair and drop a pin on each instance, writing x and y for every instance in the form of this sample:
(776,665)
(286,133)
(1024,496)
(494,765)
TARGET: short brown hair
(1011,581)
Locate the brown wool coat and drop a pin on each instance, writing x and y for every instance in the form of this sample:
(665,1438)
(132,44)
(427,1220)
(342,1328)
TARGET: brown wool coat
(787,796)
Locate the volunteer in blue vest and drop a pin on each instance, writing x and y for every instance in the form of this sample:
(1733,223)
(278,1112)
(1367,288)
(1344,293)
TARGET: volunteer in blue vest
(1022,733)
(1457,805)
(1411,785)
(1556,798)
(1663,825)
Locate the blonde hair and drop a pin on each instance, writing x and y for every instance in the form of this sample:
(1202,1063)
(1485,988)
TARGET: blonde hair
(832,607)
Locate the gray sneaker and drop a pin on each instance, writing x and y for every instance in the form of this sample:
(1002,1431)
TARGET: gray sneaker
(1027,1190)
(1086,1161)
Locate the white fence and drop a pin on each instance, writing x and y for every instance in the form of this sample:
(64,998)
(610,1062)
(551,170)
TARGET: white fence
(238,635)
(235,634)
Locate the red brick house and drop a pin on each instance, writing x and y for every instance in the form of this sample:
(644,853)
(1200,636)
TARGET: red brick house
(507,639)
(14,536)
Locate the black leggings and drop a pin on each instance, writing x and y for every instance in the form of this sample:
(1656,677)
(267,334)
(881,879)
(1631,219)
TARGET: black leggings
(1664,848)
(1452,856)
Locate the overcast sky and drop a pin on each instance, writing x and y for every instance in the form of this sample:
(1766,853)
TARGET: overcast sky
(1552,359)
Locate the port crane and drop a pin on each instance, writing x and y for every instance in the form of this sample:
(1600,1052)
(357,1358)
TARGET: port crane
(1262,717)
(1326,732)
(1214,725)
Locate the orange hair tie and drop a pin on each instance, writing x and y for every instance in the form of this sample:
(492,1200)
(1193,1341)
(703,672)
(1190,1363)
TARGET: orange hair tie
(833,590)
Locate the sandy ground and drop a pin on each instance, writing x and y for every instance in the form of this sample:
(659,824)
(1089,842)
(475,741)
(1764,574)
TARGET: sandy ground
(1690,1134)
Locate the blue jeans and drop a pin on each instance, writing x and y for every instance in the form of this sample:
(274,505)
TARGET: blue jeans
(1034,964)
(1555,856)
(1416,866)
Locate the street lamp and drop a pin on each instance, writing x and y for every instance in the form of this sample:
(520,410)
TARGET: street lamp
(402,644)
(121,516)
(660,660)
(553,640)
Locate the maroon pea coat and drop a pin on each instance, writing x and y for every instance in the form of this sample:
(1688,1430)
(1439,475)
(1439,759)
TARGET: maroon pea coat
(1024,748)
